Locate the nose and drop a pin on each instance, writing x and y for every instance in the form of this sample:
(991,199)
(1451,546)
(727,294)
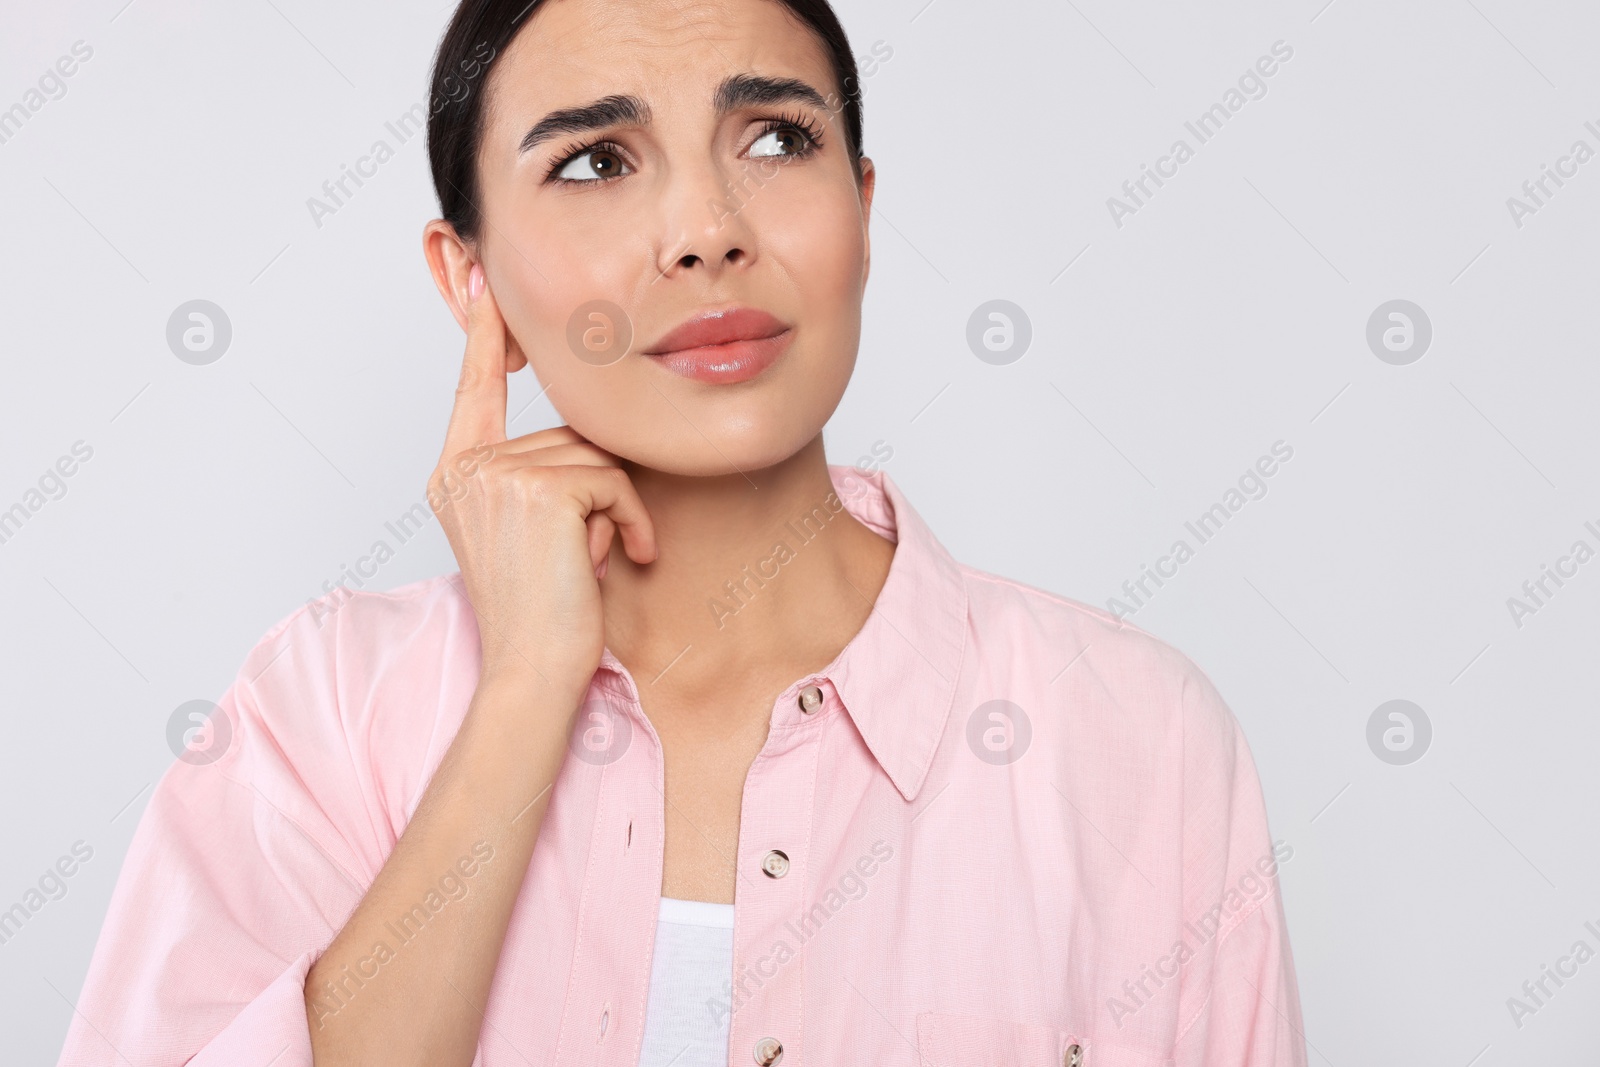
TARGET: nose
(705,224)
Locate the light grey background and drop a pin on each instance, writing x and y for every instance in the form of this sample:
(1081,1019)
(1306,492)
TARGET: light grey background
(1168,354)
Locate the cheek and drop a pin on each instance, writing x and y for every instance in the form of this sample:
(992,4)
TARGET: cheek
(564,289)
(563,310)
(812,237)
(821,250)
(815,235)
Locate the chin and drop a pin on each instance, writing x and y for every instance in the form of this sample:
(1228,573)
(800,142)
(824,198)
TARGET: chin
(738,443)
(740,453)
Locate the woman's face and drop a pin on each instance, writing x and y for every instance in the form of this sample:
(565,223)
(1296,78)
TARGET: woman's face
(712,176)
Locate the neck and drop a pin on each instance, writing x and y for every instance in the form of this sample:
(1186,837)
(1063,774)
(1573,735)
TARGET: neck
(758,574)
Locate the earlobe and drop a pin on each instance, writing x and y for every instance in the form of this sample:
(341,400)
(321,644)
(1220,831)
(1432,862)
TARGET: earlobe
(515,359)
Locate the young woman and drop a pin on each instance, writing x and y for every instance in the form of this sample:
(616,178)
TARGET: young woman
(710,753)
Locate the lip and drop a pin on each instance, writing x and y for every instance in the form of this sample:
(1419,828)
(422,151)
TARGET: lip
(731,345)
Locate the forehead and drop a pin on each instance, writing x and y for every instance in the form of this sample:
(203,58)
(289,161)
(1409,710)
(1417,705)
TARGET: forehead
(670,53)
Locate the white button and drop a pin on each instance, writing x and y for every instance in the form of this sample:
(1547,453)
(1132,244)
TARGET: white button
(1074,1056)
(776,864)
(810,699)
(769,1050)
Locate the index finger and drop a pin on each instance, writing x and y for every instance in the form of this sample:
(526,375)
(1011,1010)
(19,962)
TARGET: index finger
(479,415)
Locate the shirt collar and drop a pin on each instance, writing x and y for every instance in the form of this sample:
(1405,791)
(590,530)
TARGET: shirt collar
(897,676)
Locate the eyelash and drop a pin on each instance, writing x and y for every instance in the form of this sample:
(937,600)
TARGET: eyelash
(806,127)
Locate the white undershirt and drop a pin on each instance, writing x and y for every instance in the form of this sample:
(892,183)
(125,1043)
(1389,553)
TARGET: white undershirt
(692,965)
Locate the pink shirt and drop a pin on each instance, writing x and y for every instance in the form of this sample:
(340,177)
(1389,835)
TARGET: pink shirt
(1001,827)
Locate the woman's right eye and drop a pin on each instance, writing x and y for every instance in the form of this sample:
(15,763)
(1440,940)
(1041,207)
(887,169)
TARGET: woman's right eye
(590,165)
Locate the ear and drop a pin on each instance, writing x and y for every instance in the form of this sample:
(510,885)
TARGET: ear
(869,182)
(450,261)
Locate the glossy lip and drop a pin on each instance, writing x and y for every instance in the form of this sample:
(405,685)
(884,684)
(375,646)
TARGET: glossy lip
(732,345)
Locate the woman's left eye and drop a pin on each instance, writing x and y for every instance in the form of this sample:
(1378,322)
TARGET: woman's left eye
(781,141)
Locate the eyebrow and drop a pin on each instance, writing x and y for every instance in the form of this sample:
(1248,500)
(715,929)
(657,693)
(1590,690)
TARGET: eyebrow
(735,91)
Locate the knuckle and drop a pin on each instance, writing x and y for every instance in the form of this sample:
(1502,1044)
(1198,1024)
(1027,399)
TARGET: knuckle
(455,478)
(624,483)
(539,486)
(468,461)
(438,495)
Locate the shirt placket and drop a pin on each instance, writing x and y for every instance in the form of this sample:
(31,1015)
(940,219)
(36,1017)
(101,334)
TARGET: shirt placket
(767,985)
(607,993)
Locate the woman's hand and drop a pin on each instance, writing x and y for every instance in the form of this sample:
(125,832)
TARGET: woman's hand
(530,521)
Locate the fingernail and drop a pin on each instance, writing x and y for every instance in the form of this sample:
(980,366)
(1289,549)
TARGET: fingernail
(475,282)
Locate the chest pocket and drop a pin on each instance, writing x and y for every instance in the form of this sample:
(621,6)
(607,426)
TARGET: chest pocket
(975,1041)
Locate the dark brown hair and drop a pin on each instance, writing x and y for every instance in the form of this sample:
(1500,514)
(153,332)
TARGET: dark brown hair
(479,33)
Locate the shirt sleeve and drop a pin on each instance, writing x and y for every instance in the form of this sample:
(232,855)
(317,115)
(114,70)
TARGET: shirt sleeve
(1239,1001)
(238,876)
